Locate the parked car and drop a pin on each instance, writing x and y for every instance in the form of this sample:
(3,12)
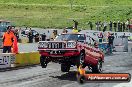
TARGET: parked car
(34,32)
(71,49)
(3,26)
(2,30)
(5,23)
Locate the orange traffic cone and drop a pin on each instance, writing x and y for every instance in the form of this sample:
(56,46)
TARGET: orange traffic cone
(15,46)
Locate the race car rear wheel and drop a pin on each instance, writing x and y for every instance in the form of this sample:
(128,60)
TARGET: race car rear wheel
(97,68)
(65,67)
(43,62)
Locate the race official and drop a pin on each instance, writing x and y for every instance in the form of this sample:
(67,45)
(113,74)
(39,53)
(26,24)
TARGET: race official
(8,38)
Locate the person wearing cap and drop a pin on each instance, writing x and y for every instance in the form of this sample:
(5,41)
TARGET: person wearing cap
(8,38)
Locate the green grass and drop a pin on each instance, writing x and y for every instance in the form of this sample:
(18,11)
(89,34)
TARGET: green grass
(59,14)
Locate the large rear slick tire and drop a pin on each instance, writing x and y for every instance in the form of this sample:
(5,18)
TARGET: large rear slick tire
(43,62)
(65,67)
(97,68)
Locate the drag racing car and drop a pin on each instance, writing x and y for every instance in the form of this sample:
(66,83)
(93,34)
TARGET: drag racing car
(71,49)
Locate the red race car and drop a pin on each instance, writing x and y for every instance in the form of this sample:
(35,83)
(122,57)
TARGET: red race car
(71,49)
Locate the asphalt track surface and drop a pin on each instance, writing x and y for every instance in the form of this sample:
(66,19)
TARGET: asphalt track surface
(35,76)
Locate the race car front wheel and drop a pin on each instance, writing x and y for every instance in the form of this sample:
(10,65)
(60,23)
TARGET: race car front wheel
(43,62)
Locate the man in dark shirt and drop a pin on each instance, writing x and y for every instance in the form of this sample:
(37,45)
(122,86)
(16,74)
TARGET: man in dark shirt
(124,26)
(110,25)
(110,42)
(115,25)
(43,37)
(30,37)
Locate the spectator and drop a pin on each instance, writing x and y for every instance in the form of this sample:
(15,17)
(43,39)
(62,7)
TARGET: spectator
(26,31)
(30,37)
(105,26)
(64,31)
(124,35)
(55,32)
(30,29)
(99,25)
(110,24)
(75,24)
(100,36)
(8,39)
(48,36)
(43,37)
(110,42)
(124,26)
(16,33)
(91,25)
(36,38)
(53,35)
(116,35)
(127,24)
(115,25)
(119,26)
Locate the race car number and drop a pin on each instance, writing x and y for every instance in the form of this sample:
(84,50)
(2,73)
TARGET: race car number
(53,52)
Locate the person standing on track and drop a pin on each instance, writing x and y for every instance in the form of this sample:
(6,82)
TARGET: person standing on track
(8,39)
(110,42)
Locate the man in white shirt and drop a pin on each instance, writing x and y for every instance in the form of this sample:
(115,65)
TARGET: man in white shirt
(48,36)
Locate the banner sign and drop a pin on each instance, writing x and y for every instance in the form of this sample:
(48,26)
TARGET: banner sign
(6,59)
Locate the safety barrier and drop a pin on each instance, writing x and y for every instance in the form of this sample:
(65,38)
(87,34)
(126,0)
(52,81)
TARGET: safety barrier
(31,58)
(8,60)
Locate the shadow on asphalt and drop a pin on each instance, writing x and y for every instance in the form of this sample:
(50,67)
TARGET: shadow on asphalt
(71,76)
(17,68)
